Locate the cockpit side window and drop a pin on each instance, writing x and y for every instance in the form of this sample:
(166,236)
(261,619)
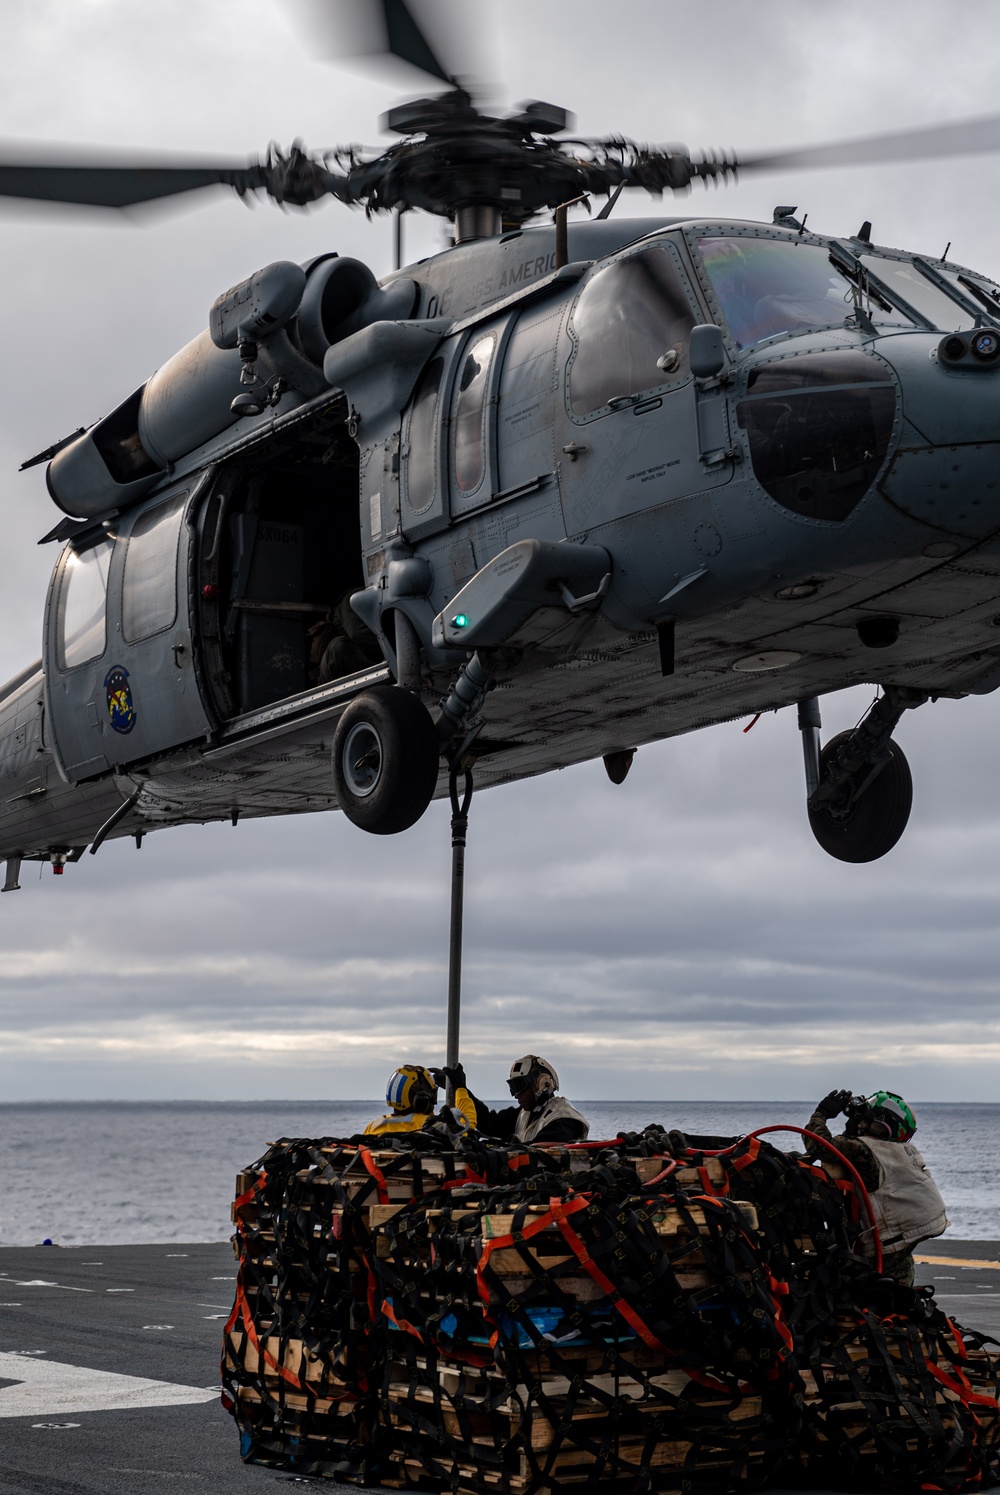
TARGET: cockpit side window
(82,615)
(149,588)
(765,287)
(630,326)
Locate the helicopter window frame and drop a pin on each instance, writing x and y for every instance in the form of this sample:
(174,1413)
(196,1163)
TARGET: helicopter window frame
(922,285)
(462,497)
(143,598)
(425,411)
(665,244)
(701,231)
(94,626)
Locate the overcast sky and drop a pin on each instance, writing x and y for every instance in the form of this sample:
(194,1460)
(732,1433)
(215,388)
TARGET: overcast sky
(681,936)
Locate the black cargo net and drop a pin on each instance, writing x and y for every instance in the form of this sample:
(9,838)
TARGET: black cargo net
(514,1320)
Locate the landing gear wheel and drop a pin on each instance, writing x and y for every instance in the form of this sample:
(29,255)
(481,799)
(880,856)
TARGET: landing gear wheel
(874,822)
(385,760)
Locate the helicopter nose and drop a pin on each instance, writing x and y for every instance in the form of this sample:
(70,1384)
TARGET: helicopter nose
(946,468)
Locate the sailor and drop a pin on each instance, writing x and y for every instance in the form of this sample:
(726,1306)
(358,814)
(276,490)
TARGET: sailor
(905,1200)
(540,1114)
(411,1096)
(341,643)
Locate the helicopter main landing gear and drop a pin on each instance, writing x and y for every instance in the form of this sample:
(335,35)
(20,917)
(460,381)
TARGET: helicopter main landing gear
(386,754)
(859,786)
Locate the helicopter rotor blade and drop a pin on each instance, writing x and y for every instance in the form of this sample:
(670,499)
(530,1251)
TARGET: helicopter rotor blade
(425,34)
(114,181)
(965,137)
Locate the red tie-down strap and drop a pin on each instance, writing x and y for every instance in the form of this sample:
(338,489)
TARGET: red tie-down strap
(746,1158)
(241,1310)
(403,1325)
(776,1289)
(561,1212)
(752,1150)
(248,1194)
(712,1189)
(376,1173)
(960,1386)
(502,1242)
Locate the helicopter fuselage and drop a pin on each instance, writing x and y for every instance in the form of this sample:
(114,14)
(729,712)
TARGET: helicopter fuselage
(701,470)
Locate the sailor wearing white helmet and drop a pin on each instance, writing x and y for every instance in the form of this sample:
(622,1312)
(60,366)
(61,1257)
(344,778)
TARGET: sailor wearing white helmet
(540,1115)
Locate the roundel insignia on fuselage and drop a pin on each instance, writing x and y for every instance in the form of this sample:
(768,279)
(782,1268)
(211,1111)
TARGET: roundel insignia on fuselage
(121,707)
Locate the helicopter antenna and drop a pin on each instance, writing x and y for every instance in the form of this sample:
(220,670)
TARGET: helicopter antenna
(609,206)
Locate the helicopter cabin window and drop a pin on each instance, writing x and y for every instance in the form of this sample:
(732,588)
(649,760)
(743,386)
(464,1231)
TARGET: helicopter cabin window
(469,418)
(421,460)
(149,588)
(922,294)
(82,625)
(769,286)
(631,327)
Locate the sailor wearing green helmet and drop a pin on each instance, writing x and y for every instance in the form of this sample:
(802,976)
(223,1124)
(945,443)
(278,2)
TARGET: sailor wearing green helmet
(905,1200)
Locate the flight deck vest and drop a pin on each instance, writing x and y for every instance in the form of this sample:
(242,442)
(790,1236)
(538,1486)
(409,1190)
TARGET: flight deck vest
(415,1121)
(556,1108)
(906,1204)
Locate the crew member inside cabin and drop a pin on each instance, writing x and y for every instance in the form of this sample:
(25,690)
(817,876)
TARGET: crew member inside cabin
(341,644)
(905,1200)
(540,1115)
(411,1096)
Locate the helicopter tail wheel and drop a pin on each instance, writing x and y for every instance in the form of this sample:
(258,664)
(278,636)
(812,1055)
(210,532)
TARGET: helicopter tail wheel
(874,822)
(385,760)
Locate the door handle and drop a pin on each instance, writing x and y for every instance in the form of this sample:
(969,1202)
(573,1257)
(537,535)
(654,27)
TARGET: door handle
(178,651)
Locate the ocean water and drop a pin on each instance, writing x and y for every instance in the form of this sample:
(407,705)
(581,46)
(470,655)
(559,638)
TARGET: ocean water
(128,1173)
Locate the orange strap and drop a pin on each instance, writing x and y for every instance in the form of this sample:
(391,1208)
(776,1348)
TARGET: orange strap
(402,1324)
(708,1185)
(376,1173)
(748,1157)
(241,1310)
(500,1242)
(561,1212)
(960,1386)
(254,1188)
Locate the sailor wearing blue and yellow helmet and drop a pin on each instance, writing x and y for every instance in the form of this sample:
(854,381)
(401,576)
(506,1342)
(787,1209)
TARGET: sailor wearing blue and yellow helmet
(411,1096)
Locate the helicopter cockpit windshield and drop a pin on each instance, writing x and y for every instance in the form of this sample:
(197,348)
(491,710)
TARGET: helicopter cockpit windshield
(766,287)
(906,280)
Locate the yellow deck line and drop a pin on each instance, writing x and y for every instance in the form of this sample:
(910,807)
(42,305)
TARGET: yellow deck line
(956,1261)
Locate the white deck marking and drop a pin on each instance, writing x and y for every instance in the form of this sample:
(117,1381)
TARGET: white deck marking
(46,1388)
(40,1282)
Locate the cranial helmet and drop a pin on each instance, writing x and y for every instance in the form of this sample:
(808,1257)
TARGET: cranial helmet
(411,1088)
(892,1112)
(531,1070)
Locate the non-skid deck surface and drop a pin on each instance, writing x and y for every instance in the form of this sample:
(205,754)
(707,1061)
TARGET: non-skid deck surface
(109,1359)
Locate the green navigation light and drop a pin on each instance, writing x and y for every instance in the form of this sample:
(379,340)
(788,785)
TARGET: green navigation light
(460,621)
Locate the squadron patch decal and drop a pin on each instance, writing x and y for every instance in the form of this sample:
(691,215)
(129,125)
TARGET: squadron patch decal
(121,708)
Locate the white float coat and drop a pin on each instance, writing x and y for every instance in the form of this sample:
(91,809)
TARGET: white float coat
(556,1108)
(907,1205)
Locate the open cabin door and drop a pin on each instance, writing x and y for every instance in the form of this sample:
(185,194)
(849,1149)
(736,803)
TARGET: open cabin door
(119,673)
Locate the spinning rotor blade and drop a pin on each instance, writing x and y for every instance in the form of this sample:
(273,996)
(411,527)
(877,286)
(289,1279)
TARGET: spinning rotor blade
(115,182)
(426,34)
(966,137)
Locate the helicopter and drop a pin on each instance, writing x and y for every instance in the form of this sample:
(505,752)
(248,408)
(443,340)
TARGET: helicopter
(582,486)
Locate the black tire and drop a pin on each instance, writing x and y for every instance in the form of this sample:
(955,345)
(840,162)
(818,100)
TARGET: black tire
(385,760)
(877,820)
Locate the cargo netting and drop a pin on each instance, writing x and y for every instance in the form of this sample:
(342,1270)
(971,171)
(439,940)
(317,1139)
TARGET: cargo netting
(483,1318)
